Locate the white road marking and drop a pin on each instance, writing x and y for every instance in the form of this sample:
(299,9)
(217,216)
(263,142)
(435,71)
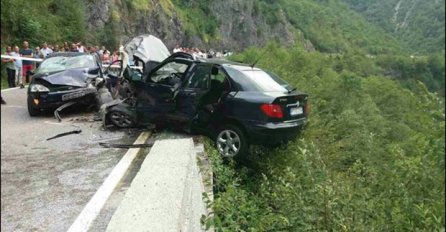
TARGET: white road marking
(4,90)
(13,106)
(8,89)
(94,206)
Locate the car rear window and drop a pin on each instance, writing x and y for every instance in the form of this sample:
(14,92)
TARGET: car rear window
(257,80)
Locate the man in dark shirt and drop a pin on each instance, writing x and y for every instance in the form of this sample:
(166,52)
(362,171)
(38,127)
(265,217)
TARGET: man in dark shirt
(26,65)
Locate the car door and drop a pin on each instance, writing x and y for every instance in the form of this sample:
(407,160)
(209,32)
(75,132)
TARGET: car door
(190,96)
(155,96)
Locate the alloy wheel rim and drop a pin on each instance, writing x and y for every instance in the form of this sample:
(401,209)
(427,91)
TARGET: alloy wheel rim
(121,119)
(228,143)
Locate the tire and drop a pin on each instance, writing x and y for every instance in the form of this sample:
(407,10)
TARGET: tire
(121,118)
(33,111)
(231,142)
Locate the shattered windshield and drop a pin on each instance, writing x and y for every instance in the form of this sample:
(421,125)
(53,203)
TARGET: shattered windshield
(60,63)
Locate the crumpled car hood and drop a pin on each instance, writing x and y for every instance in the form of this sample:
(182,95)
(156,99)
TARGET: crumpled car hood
(147,48)
(71,77)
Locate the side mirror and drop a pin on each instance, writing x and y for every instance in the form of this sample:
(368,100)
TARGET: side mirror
(30,73)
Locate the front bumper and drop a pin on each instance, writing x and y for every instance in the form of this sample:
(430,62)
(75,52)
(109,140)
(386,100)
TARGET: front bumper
(50,100)
(273,133)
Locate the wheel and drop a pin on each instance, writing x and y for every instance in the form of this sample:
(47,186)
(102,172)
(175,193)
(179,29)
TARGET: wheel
(33,111)
(231,142)
(121,119)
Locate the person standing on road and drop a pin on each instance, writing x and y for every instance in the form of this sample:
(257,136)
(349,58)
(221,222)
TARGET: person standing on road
(66,48)
(45,50)
(10,67)
(37,55)
(106,57)
(115,56)
(80,48)
(100,51)
(26,64)
(177,49)
(73,48)
(94,51)
(18,67)
(56,48)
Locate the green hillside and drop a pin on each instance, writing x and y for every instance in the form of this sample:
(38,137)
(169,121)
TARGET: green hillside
(329,24)
(38,21)
(370,159)
(332,27)
(419,25)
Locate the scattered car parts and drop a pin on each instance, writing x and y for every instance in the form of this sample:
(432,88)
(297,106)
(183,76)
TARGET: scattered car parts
(77,131)
(62,107)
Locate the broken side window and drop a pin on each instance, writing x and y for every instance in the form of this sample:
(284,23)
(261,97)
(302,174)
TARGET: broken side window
(199,79)
(168,69)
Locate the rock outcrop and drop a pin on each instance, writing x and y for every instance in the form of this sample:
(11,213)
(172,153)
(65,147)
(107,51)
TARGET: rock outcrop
(239,23)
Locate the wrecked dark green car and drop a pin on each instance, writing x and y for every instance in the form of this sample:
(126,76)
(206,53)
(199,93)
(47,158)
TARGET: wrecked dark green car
(235,104)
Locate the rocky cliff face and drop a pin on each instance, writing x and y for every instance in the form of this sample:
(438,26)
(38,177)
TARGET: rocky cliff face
(239,25)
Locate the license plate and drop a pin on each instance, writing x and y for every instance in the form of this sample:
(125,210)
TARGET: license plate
(296,111)
(78,94)
(70,96)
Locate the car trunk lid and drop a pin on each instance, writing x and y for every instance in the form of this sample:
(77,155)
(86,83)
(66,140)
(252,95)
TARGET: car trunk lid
(293,105)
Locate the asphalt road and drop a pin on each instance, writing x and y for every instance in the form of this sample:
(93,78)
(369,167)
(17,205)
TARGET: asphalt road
(46,184)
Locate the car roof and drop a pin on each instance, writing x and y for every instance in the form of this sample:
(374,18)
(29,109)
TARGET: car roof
(227,63)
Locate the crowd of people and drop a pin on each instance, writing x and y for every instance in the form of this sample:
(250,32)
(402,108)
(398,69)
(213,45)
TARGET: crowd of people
(197,53)
(17,69)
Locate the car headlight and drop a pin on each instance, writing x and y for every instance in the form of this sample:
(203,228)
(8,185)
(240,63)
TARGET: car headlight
(39,88)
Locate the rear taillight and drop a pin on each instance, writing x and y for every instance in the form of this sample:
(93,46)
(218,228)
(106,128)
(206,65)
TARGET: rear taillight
(272,110)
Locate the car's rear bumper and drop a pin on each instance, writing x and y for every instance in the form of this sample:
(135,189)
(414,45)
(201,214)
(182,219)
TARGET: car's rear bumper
(51,100)
(273,133)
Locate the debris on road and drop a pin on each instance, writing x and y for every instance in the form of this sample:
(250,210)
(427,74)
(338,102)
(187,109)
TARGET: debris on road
(93,118)
(78,131)
(56,112)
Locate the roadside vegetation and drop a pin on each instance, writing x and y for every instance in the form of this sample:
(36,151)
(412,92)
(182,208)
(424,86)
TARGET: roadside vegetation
(370,159)
(418,25)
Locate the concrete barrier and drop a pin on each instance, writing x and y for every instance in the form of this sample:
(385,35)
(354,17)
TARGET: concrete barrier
(166,194)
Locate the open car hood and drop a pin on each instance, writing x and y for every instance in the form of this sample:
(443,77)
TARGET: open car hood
(71,77)
(147,48)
